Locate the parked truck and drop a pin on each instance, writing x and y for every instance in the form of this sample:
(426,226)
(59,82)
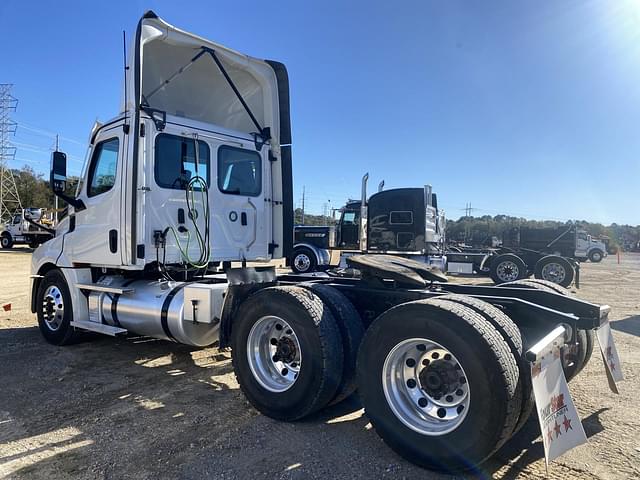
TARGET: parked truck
(27,226)
(568,241)
(402,221)
(195,173)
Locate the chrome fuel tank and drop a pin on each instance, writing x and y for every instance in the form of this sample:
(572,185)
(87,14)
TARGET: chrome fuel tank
(154,309)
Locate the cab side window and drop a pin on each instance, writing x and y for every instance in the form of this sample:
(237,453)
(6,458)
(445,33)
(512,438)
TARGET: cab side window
(239,171)
(102,174)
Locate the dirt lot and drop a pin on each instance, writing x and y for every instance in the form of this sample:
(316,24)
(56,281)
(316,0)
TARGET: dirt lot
(141,408)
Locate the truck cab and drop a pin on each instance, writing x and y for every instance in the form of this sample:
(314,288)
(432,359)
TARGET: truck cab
(590,248)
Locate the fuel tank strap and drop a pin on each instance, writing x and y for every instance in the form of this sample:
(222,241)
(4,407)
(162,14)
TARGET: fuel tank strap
(114,303)
(165,311)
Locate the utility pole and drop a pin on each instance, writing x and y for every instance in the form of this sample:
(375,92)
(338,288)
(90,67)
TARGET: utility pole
(9,198)
(303,192)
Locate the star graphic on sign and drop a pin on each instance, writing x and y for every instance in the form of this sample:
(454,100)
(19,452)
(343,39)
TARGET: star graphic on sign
(567,424)
(557,429)
(612,365)
(609,354)
(549,435)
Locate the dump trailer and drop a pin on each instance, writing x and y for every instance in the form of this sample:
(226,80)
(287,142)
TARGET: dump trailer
(402,221)
(195,173)
(27,226)
(568,241)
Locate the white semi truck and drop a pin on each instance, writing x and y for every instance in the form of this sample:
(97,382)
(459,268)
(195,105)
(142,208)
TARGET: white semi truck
(195,173)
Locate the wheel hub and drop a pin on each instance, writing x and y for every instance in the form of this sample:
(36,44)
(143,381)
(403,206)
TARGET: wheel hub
(439,379)
(302,262)
(274,353)
(507,271)
(286,350)
(53,308)
(425,386)
(553,272)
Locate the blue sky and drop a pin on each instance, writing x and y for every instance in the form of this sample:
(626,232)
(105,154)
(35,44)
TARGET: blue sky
(527,108)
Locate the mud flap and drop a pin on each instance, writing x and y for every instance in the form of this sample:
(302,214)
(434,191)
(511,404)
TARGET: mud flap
(609,356)
(559,421)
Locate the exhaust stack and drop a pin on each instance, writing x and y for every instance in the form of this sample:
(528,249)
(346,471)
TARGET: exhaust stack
(380,186)
(363,214)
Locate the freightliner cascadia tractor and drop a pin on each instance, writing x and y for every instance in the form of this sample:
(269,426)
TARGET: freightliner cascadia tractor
(195,173)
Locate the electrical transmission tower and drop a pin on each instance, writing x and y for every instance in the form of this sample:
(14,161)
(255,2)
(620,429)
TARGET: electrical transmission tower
(9,198)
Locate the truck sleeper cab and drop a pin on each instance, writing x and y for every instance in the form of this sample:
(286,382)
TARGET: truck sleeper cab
(195,174)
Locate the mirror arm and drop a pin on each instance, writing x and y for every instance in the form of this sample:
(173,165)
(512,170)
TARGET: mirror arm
(74,202)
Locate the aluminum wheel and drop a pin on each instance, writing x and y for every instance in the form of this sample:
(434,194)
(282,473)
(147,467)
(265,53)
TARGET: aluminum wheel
(425,386)
(554,272)
(274,355)
(302,262)
(507,271)
(53,308)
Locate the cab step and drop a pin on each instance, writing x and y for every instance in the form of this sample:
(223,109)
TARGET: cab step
(100,328)
(96,287)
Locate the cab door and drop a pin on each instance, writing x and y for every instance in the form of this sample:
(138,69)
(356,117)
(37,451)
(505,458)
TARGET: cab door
(241,223)
(95,239)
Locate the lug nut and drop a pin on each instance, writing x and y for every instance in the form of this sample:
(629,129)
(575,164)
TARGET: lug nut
(435,355)
(273,341)
(411,383)
(449,398)
(425,362)
(447,356)
(410,362)
(441,412)
(422,402)
(284,371)
(459,392)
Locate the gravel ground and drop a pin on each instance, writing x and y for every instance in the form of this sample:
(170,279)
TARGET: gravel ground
(141,408)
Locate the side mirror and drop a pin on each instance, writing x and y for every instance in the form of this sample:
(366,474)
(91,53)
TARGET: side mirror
(58,178)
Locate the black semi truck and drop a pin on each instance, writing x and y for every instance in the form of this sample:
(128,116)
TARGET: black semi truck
(402,221)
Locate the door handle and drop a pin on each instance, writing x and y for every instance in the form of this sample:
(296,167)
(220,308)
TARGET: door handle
(243,219)
(113,241)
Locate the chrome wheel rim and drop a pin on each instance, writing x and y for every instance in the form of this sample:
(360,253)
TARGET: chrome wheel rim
(554,272)
(302,262)
(596,257)
(426,386)
(507,271)
(5,241)
(274,354)
(53,308)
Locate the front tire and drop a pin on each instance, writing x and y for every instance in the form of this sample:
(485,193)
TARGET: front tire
(54,309)
(439,384)
(596,256)
(303,260)
(287,352)
(6,241)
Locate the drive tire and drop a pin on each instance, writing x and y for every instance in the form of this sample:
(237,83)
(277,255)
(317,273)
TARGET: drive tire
(303,260)
(596,256)
(555,269)
(512,335)
(319,342)
(485,359)
(55,310)
(6,241)
(507,267)
(351,330)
